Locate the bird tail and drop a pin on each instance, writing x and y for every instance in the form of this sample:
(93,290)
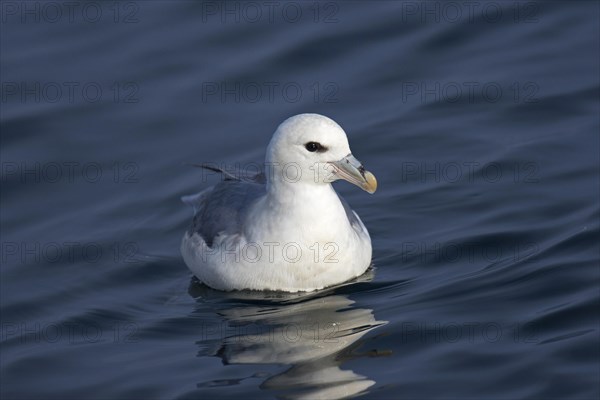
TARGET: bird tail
(228,176)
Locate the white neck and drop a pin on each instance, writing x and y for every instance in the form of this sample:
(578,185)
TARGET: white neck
(282,192)
(305,210)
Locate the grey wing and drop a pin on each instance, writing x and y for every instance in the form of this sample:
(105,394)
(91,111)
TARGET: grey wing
(222,208)
(260,177)
(355,222)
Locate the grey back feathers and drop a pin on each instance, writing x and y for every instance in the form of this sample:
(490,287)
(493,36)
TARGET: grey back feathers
(221,209)
(354,221)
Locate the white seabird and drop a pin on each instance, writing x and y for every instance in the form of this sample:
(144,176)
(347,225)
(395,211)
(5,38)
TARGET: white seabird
(286,229)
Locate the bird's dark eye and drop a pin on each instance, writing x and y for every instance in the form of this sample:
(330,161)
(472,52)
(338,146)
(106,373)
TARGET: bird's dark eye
(314,146)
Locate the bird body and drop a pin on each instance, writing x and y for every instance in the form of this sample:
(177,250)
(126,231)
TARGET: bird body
(288,231)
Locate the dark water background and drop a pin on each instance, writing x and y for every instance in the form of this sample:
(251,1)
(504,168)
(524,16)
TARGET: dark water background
(480,122)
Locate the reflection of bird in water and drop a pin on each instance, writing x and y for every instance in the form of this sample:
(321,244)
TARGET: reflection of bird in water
(315,335)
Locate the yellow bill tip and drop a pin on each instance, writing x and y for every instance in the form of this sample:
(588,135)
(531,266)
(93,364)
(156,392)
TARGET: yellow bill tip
(370,182)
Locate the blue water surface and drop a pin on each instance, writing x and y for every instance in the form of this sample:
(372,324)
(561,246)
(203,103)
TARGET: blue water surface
(479,119)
